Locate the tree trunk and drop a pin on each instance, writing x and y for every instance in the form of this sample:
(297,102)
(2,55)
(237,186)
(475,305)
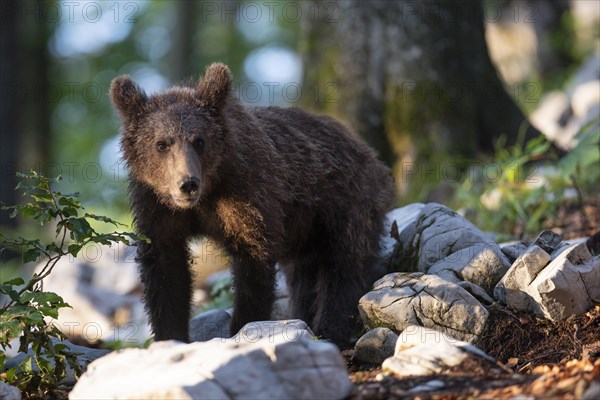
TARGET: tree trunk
(414,79)
(24,109)
(553,35)
(35,102)
(181,64)
(8,109)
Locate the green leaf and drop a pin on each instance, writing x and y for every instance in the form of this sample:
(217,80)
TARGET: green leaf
(74,249)
(52,248)
(49,311)
(104,219)
(10,329)
(49,298)
(22,184)
(31,255)
(10,375)
(30,210)
(70,212)
(60,347)
(586,152)
(79,228)
(44,299)
(102,239)
(35,317)
(43,364)
(27,364)
(537,146)
(42,198)
(14,281)
(10,292)
(28,296)
(69,202)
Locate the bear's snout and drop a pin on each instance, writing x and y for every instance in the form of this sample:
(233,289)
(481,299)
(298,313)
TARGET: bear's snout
(187,193)
(189,185)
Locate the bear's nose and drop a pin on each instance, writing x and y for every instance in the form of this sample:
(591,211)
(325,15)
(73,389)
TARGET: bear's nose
(189,185)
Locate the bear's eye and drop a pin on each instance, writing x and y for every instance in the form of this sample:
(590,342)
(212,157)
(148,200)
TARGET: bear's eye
(162,146)
(198,143)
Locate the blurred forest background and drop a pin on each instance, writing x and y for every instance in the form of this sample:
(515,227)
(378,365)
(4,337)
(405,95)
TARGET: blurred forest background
(428,84)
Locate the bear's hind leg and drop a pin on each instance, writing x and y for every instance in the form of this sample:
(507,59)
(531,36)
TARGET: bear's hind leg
(342,279)
(301,278)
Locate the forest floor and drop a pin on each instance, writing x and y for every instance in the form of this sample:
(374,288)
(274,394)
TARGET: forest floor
(537,358)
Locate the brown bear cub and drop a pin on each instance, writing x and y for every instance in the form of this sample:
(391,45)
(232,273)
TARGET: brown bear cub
(269,184)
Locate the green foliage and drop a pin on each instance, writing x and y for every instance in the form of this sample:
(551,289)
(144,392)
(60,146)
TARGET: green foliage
(582,163)
(25,313)
(221,294)
(523,196)
(123,344)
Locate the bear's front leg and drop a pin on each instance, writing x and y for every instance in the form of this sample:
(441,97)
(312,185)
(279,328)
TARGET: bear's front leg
(254,291)
(249,230)
(167,287)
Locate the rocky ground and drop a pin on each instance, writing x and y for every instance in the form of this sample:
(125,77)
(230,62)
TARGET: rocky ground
(555,353)
(536,358)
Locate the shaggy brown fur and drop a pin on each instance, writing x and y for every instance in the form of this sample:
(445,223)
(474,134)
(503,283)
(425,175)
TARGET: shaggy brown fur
(269,184)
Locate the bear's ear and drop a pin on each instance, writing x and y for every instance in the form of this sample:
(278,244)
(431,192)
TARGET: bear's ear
(215,85)
(127,96)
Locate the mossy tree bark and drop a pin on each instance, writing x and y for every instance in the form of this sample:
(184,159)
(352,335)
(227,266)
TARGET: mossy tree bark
(414,79)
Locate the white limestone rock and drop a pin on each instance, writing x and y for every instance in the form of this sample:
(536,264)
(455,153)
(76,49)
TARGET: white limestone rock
(437,233)
(209,325)
(399,300)
(101,285)
(402,216)
(513,287)
(564,288)
(421,351)
(514,250)
(558,286)
(8,392)
(266,360)
(375,346)
(483,264)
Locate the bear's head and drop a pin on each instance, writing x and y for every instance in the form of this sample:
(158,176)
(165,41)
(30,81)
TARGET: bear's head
(173,141)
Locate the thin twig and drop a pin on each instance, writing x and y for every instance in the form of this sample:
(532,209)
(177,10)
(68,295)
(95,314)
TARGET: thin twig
(591,321)
(537,358)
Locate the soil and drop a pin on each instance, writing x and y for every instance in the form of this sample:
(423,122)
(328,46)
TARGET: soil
(536,358)
(573,221)
(570,221)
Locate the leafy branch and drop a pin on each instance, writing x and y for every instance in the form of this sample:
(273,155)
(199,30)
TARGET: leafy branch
(28,307)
